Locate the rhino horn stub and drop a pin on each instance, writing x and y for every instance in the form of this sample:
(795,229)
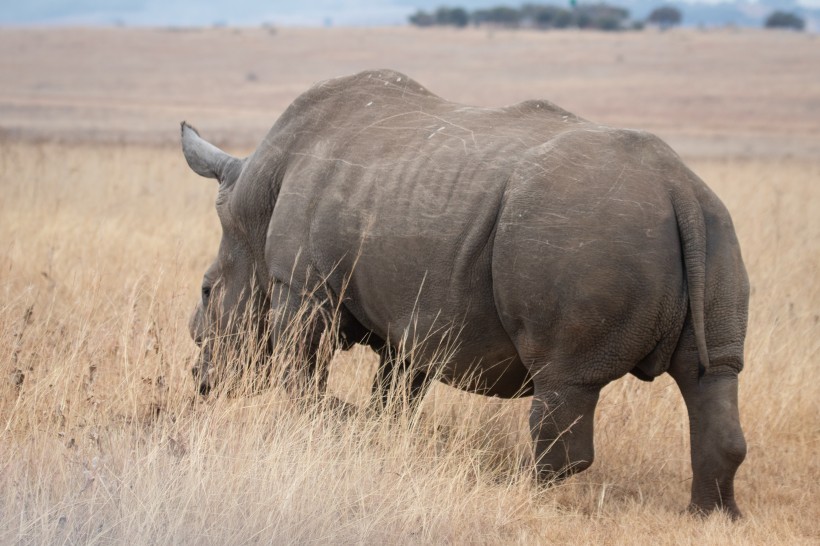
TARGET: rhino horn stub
(204,158)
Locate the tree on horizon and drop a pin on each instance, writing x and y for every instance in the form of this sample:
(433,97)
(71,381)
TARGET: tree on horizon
(665,17)
(784,19)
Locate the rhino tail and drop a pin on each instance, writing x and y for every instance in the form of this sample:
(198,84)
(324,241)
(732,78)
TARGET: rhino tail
(692,228)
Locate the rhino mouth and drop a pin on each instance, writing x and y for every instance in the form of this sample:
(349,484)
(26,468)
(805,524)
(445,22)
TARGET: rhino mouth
(201,372)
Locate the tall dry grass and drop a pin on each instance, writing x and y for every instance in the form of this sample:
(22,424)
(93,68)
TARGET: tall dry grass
(102,438)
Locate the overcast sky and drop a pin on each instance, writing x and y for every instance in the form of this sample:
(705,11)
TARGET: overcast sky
(243,12)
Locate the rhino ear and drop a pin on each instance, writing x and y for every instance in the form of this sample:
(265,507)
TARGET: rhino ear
(204,158)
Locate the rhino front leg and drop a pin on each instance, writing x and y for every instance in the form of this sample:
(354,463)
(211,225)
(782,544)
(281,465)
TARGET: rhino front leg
(561,423)
(717,443)
(297,324)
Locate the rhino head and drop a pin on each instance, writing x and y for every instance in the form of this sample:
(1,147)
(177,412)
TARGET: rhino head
(232,295)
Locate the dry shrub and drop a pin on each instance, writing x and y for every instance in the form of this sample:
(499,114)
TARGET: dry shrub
(103,438)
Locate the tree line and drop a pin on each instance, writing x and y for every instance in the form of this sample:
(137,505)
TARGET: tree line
(599,16)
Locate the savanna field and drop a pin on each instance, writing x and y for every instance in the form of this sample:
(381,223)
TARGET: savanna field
(105,234)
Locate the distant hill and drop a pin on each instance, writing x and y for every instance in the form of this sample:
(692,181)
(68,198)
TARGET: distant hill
(348,12)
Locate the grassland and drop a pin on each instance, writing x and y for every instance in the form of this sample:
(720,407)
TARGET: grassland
(102,438)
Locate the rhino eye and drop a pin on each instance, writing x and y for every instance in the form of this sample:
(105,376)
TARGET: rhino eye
(206,292)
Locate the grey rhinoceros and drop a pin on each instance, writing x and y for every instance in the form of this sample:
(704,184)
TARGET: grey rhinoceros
(564,254)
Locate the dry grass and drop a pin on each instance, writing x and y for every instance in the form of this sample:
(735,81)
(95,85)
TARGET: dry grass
(103,440)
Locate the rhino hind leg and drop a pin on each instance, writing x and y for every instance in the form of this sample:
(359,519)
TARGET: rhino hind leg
(716,438)
(561,424)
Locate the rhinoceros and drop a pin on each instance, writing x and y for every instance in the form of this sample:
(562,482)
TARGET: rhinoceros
(564,254)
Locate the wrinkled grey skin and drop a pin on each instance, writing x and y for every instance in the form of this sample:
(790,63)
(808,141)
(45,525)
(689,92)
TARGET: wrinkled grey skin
(564,254)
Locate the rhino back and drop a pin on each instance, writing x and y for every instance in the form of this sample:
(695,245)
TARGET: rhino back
(379,152)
